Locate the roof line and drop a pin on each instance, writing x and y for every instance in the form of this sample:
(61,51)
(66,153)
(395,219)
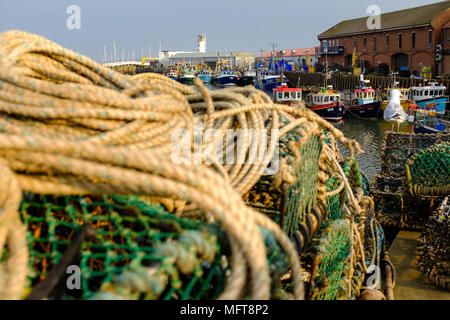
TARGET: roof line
(373,31)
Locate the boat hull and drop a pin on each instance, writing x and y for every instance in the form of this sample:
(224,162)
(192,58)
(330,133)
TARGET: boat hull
(439,102)
(186,80)
(420,128)
(226,80)
(270,84)
(368,110)
(245,81)
(330,112)
(205,78)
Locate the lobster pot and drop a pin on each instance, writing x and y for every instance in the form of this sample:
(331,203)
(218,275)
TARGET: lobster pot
(399,147)
(328,262)
(433,252)
(134,242)
(396,208)
(289,206)
(428,171)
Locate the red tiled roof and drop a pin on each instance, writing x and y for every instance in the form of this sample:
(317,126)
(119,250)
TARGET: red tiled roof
(290,52)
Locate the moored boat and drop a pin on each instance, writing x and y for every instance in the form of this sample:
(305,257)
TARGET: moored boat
(326,103)
(187,77)
(365,104)
(431,123)
(429,96)
(285,95)
(205,75)
(172,74)
(226,77)
(247,77)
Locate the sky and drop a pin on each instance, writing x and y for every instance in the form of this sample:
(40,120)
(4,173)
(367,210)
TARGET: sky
(229,25)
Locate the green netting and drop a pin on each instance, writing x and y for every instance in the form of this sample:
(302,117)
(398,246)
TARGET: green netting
(399,147)
(131,234)
(302,195)
(433,251)
(428,171)
(334,211)
(328,262)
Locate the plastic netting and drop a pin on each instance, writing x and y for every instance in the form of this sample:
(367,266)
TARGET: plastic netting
(433,251)
(328,262)
(334,211)
(428,171)
(399,147)
(299,199)
(130,232)
(302,195)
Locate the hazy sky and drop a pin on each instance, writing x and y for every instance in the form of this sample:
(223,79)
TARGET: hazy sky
(245,25)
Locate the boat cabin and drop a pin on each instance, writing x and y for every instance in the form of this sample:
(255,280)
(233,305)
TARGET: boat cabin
(227,73)
(404,94)
(284,94)
(323,97)
(427,92)
(205,72)
(366,95)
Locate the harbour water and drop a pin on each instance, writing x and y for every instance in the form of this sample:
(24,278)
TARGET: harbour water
(369,134)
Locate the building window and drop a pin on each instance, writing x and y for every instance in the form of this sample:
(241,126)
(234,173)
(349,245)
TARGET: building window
(354,44)
(413,40)
(399,40)
(324,43)
(387,41)
(364,43)
(337,42)
(374,43)
(430,38)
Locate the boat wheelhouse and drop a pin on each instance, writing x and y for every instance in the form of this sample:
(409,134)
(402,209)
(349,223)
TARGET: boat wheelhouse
(326,103)
(172,74)
(227,77)
(365,104)
(187,77)
(267,80)
(285,95)
(205,75)
(430,96)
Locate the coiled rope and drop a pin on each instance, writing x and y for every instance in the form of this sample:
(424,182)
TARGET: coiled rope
(70,126)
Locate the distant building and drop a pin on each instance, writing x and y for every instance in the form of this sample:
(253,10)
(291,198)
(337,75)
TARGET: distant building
(407,40)
(297,57)
(235,59)
(444,54)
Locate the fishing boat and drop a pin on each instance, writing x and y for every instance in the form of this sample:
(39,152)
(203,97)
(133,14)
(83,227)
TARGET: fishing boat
(432,95)
(365,104)
(247,77)
(267,80)
(431,123)
(187,77)
(227,77)
(172,74)
(285,95)
(326,103)
(205,75)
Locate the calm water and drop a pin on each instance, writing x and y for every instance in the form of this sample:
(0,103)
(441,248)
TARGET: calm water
(369,134)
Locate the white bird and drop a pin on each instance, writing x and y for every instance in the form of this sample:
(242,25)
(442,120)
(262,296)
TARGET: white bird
(394,111)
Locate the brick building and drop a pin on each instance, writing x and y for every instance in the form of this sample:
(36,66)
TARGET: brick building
(406,40)
(445,53)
